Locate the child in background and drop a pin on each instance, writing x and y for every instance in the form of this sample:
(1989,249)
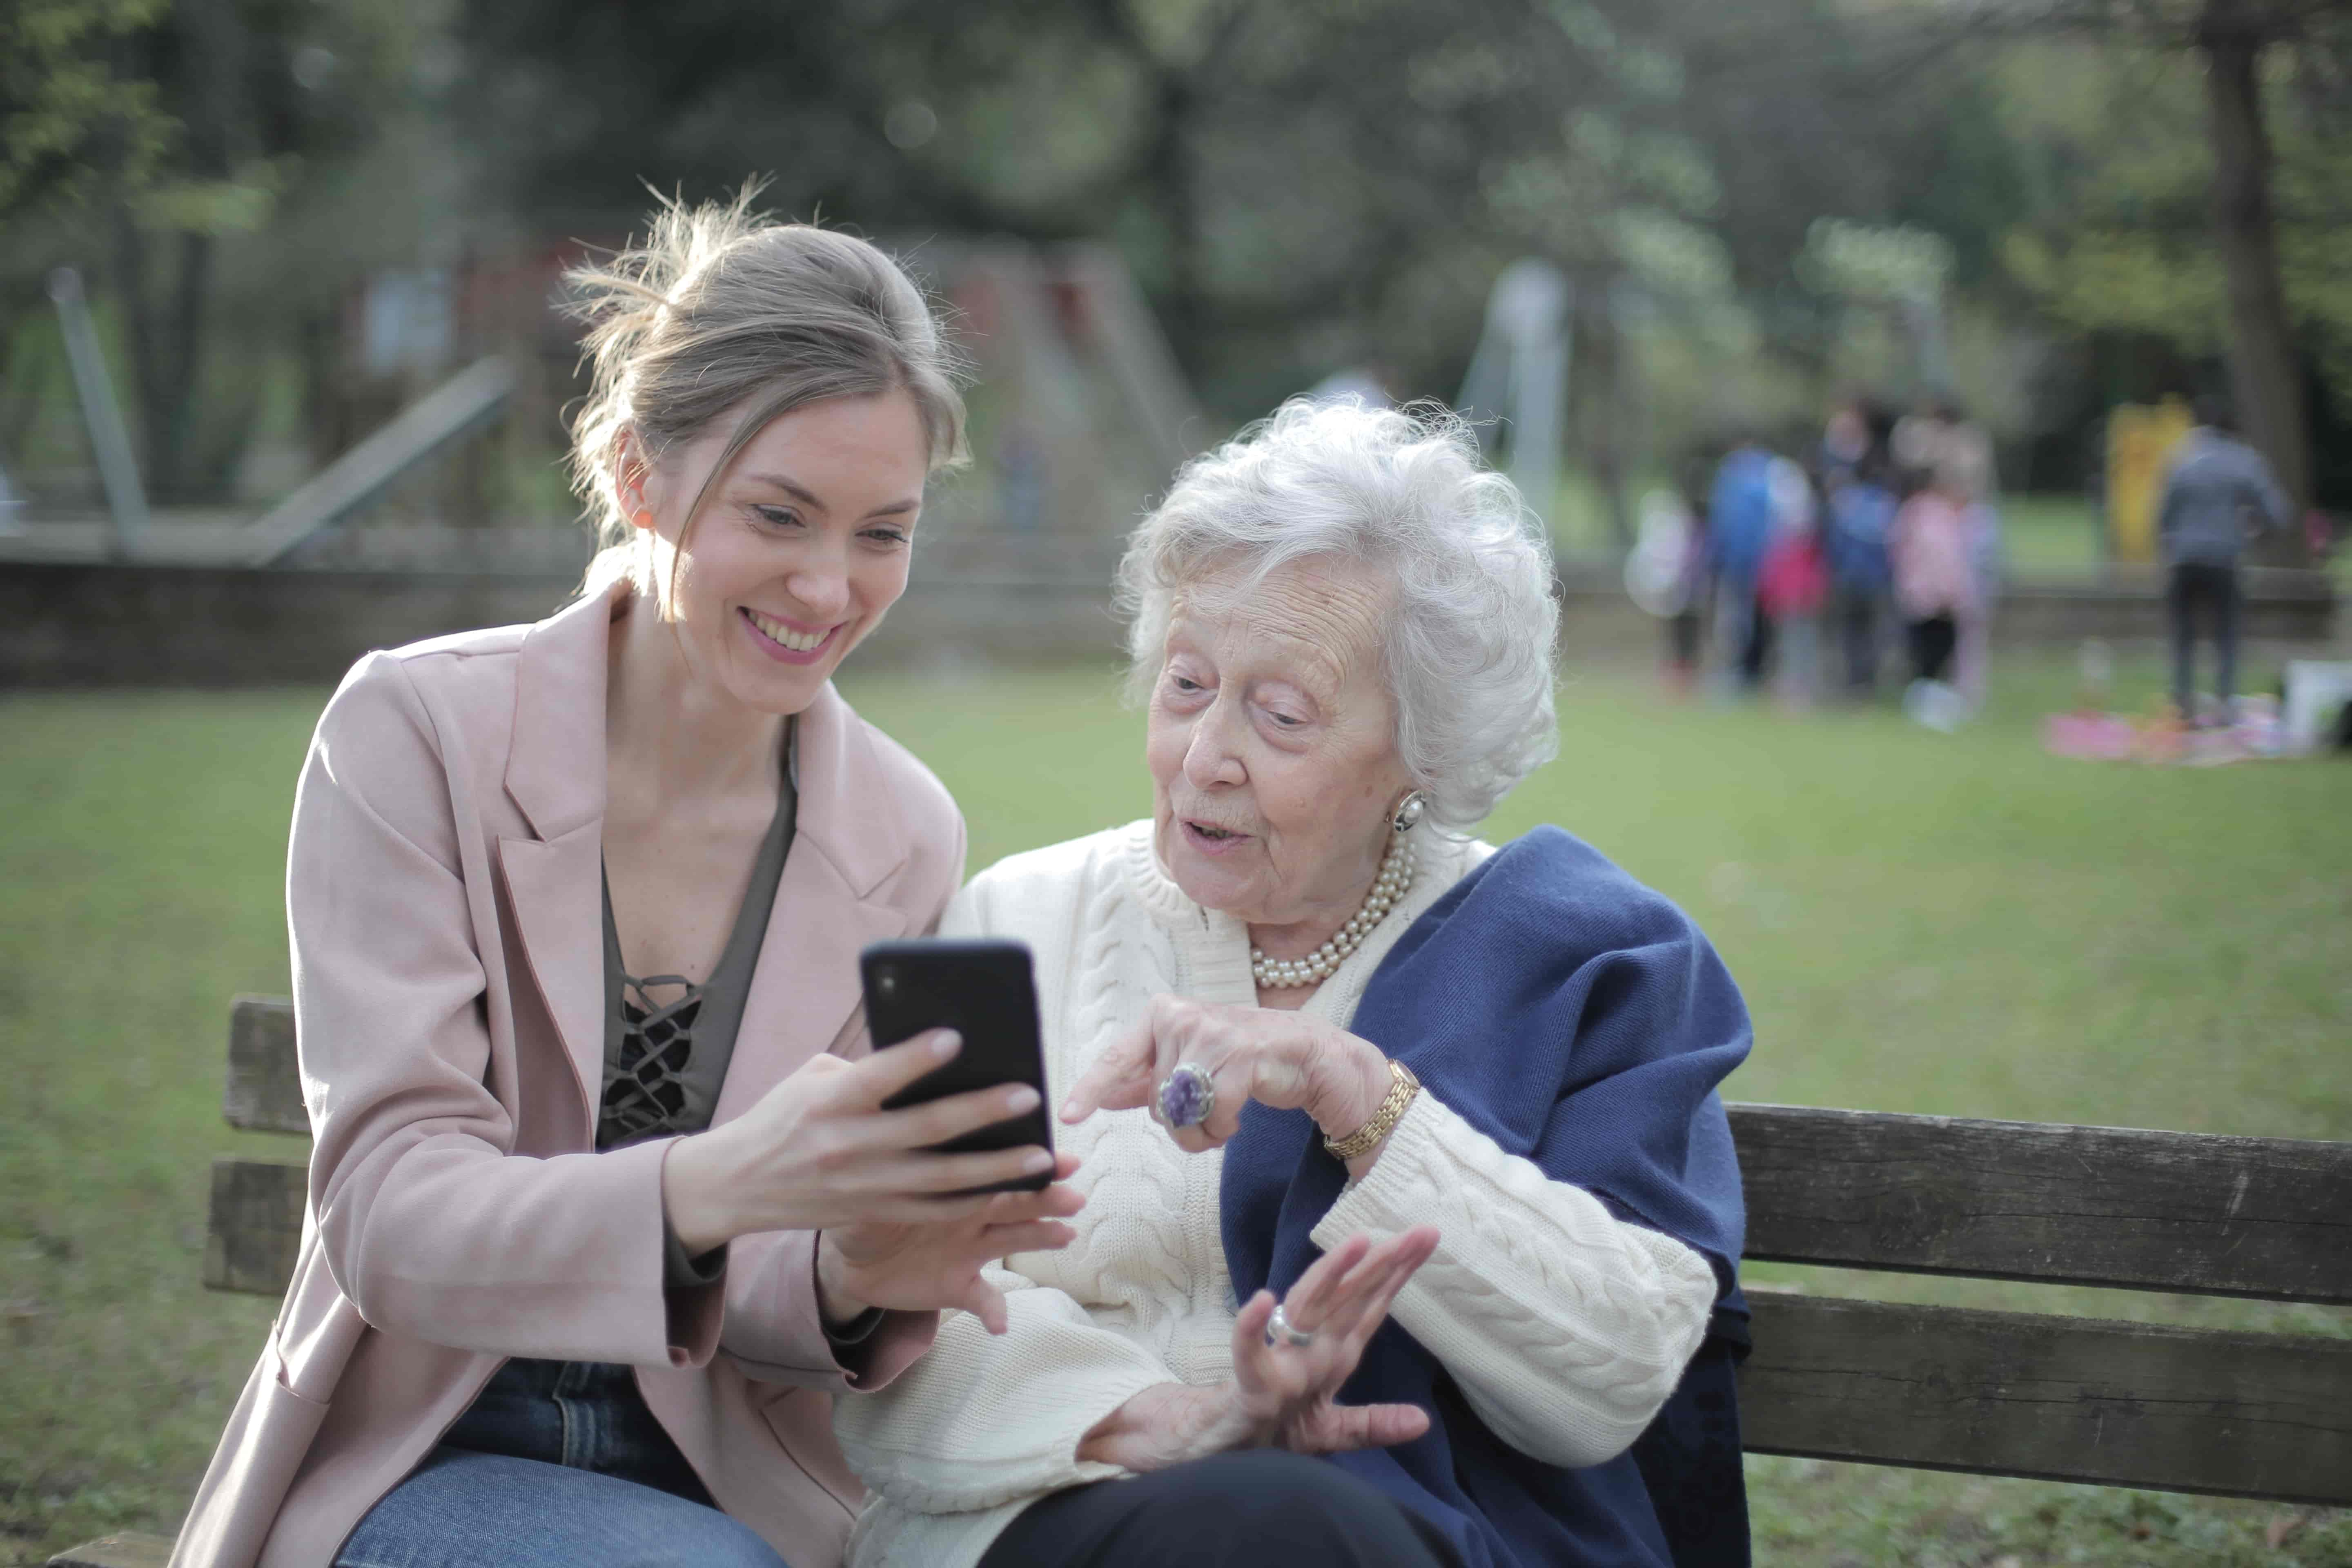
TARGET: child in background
(1938,586)
(1861,516)
(1793,587)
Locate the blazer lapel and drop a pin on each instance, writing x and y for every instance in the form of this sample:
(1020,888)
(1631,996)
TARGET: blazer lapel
(848,838)
(557,892)
(555,772)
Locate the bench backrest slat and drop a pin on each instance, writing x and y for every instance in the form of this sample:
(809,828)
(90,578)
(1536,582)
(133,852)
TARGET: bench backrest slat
(263,1092)
(256,1233)
(1937,1387)
(2058,1398)
(2266,1217)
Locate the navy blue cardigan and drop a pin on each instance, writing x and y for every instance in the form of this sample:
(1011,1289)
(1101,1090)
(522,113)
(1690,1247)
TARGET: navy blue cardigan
(1580,1020)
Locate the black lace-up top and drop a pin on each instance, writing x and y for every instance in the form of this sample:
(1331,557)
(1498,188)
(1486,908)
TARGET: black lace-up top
(668,1040)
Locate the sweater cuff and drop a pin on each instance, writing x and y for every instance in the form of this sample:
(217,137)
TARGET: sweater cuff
(1379,1203)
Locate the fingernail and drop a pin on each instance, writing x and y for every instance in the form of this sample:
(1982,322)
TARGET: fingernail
(947,1044)
(1070,1109)
(1040,1161)
(1020,1100)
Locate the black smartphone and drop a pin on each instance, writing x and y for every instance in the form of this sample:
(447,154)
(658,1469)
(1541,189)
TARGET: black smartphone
(984,991)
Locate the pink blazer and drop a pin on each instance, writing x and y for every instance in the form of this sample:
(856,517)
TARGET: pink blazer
(443,890)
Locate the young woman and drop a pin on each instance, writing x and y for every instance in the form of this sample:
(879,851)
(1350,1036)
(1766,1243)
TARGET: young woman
(603,1204)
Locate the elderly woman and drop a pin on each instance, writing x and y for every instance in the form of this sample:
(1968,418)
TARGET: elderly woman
(1364,1107)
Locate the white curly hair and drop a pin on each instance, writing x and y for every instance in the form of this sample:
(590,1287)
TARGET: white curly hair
(1469,639)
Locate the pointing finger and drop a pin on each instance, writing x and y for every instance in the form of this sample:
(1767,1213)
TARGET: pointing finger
(1120,1079)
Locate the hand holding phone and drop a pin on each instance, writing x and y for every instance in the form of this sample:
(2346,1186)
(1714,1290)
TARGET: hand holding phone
(983,990)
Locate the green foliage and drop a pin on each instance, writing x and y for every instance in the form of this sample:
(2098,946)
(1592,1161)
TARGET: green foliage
(67,116)
(1298,183)
(2119,235)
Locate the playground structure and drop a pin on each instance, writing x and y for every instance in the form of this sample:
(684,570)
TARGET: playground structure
(1079,414)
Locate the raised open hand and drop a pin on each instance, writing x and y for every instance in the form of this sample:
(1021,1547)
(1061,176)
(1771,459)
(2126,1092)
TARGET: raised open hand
(1284,1394)
(1289,1389)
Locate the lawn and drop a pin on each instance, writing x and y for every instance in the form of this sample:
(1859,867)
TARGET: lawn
(1922,923)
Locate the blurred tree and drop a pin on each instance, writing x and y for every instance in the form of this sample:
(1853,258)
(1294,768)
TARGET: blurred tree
(1299,183)
(67,117)
(151,132)
(2127,241)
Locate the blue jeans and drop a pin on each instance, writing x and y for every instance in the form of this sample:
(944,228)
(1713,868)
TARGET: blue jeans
(555,1463)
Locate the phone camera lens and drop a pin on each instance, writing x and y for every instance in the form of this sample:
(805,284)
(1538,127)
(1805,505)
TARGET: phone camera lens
(887,982)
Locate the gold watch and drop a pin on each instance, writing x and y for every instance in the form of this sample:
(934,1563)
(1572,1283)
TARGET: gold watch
(1403,1087)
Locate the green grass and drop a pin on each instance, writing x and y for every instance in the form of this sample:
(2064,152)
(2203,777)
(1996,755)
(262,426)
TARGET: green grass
(1957,924)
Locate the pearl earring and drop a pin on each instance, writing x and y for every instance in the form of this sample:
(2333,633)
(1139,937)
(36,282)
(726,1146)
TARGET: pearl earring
(1408,811)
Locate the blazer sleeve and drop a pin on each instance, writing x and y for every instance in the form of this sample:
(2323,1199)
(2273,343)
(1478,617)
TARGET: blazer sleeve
(772,1329)
(427,1224)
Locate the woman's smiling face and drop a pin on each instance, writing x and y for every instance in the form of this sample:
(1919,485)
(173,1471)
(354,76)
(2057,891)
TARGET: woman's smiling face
(799,549)
(1271,747)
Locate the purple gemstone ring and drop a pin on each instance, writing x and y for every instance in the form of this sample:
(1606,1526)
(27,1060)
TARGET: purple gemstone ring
(1187,1095)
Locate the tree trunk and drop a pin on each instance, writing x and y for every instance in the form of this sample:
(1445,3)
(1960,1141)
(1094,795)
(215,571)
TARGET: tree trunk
(2264,377)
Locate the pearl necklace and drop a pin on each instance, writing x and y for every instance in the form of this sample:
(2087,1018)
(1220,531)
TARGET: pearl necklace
(1392,884)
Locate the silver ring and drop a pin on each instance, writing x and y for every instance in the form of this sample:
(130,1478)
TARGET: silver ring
(1279,1331)
(1187,1096)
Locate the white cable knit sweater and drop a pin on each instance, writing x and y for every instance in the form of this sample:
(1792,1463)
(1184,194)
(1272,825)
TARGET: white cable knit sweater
(1565,1328)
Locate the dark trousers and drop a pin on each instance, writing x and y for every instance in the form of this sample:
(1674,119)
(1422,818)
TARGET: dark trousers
(1756,650)
(1682,639)
(2207,591)
(1857,623)
(1933,642)
(1259,1506)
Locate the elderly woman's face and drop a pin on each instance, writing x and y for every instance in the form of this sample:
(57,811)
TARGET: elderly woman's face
(1272,749)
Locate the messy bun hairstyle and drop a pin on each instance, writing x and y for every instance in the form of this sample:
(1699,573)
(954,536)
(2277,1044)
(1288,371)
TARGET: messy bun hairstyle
(723,313)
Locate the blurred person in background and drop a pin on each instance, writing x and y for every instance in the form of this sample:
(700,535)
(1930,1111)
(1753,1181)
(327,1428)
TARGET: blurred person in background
(1686,627)
(2218,493)
(1847,438)
(1988,558)
(1938,587)
(1939,444)
(604,1205)
(1739,511)
(1860,504)
(1371,383)
(1363,1102)
(1793,587)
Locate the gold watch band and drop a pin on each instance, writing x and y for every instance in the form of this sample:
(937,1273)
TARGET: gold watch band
(1403,1087)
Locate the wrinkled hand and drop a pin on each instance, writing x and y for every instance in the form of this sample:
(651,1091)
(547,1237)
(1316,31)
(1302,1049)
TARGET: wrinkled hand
(1288,1060)
(920,1267)
(819,1152)
(1291,1391)
(1282,1395)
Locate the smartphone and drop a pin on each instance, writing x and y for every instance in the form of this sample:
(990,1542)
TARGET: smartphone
(984,991)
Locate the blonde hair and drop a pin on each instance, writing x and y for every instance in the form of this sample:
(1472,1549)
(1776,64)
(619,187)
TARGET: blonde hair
(722,309)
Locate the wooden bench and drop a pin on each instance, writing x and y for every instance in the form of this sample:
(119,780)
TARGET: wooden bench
(1949,1388)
